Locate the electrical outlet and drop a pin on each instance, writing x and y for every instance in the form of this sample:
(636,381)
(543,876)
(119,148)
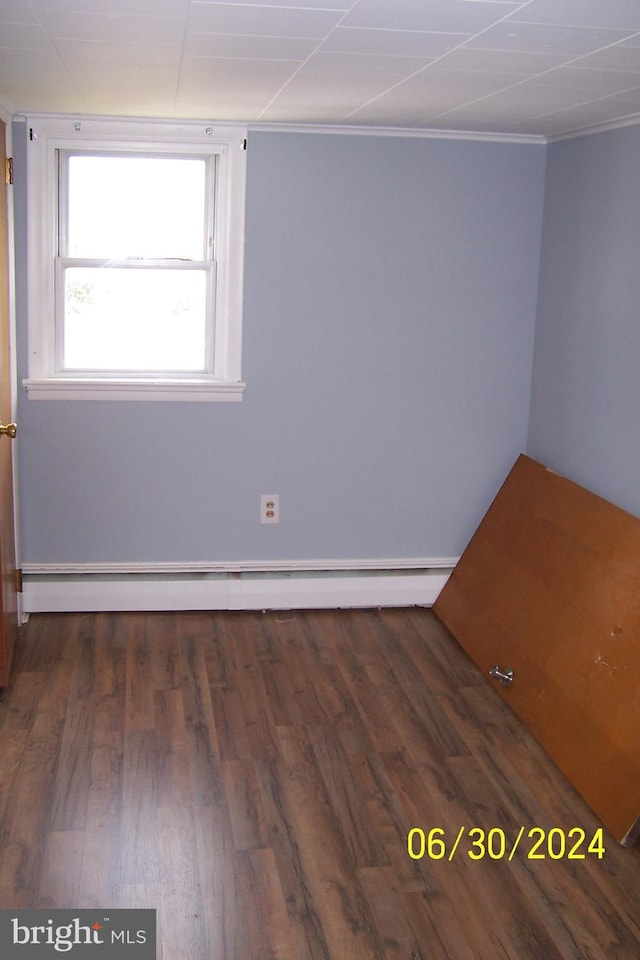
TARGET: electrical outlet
(269,508)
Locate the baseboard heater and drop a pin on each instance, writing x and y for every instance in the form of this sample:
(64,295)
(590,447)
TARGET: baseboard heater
(49,588)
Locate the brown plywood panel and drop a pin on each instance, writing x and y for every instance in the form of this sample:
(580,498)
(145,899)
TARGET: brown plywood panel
(549,586)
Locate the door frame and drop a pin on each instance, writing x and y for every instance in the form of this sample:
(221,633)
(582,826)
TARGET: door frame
(7,119)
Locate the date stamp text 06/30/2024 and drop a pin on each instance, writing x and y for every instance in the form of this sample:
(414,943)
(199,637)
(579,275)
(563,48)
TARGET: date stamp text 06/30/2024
(495,844)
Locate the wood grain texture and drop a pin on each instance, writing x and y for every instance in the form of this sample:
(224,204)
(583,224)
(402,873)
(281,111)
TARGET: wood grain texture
(253,777)
(549,586)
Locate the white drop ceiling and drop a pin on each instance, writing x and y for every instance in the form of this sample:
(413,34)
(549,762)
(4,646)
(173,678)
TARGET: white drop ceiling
(540,68)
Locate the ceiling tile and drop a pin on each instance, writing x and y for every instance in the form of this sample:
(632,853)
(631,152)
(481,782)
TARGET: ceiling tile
(485,115)
(451,16)
(156,8)
(260,20)
(590,83)
(324,94)
(401,43)
(513,109)
(201,87)
(112,56)
(145,83)
(530,98)
(23,64)
(23,36)
(338,5)
(232,45)
(619,57)
(236,72)
(581,117)
(36,98)
(136,103)
(501,61)
(217,97)
(113,28)
(17,11)
(350,65)
(234,109)
(537,38)
(307,111)
(439,76)
(431,93)
(624,14)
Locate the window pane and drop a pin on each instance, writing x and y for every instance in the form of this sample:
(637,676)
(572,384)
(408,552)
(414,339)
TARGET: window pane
(151,207)
(134,319)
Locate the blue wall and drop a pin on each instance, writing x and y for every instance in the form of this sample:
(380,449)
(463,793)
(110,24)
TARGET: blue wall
(390,293)
(585,407)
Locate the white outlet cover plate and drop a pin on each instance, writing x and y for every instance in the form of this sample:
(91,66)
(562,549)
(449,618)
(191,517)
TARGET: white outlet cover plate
(269,508)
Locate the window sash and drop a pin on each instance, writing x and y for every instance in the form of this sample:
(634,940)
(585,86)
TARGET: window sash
(152,372)
(209,212)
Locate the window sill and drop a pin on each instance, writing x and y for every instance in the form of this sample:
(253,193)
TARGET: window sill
(123,389)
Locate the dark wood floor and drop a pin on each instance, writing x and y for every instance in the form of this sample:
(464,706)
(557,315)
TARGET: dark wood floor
(254,778)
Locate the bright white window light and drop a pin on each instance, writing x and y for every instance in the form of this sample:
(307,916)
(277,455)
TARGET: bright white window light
(136,263)
(134,320)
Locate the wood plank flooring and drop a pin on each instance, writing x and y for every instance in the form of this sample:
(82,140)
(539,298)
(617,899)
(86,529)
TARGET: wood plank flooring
(254,778)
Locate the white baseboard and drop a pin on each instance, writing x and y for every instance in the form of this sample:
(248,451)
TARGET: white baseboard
(234,590)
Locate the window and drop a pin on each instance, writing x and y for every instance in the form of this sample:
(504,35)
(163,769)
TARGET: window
(136,236)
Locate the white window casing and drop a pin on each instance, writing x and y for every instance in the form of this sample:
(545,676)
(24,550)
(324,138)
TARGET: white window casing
(50,138)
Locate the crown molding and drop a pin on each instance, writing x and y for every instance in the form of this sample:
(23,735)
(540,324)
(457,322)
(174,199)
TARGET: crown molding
(596,128)
(486,136)
(404,132)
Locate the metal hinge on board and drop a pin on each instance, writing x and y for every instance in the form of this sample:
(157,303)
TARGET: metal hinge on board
(8,170)
(18,576)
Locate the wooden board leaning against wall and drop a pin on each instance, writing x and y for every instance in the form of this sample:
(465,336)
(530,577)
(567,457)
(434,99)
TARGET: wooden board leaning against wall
(549,588)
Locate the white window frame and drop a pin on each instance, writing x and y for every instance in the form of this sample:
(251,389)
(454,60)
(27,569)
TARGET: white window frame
(46,136)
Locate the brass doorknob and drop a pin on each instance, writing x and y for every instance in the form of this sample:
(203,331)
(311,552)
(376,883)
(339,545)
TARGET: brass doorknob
(10,430)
